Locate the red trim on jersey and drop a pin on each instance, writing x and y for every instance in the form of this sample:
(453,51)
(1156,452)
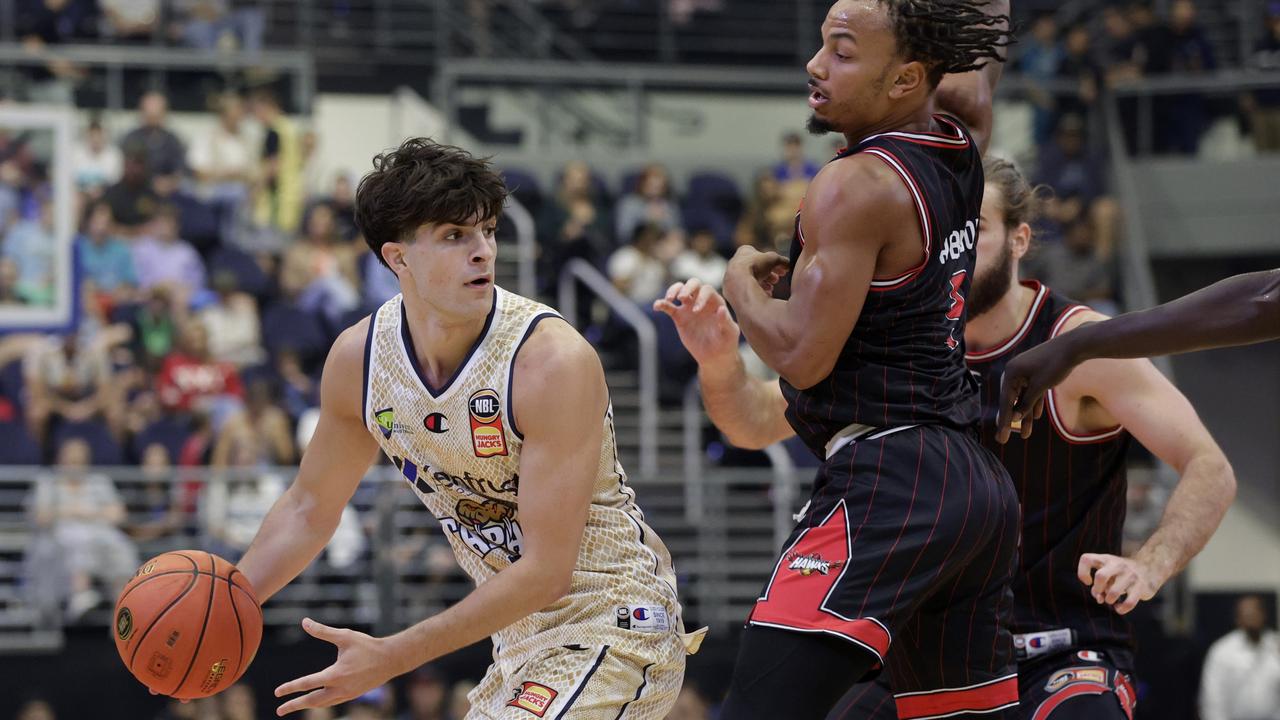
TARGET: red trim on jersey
(983,698)
(1037,304)
(922,211)
(1074,690)
(807,573)
(1055,417)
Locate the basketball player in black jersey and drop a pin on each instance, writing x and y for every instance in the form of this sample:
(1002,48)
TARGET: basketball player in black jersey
(1074,647)
(910,535)
(1240,310)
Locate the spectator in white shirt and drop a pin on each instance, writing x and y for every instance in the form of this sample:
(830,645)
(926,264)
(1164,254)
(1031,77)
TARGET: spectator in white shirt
(701,260)
(95,162)
(1241,679)
(224,158)
(639,270)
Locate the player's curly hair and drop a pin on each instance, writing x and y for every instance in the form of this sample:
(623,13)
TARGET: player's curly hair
(424,182)
(948,36)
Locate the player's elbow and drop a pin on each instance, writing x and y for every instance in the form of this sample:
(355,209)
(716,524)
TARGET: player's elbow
(1220,469)
(802,370)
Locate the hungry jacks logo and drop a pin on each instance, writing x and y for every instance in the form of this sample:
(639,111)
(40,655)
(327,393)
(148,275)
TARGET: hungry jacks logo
(488,437)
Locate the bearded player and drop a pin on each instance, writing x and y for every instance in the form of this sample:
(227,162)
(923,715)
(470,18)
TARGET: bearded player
(1073,586)
(909,538)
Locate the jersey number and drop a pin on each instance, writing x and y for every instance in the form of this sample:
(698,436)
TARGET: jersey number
(957,306)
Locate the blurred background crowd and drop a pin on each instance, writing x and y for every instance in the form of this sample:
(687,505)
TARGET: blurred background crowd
(212,272)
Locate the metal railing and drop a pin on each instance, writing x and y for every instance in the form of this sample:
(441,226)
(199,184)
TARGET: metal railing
(785,479)
(580,271)
(116,60)
(1148,89)
(388,566)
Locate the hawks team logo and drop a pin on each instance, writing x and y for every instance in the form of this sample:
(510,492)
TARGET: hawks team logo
(810,564)
(534,698)
(488,437)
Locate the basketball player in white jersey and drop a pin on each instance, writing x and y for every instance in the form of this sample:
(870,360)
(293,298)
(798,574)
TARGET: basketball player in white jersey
(497,414)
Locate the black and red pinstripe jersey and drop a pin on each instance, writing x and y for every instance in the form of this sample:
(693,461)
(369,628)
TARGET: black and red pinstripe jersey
(1072,490)
(903,363)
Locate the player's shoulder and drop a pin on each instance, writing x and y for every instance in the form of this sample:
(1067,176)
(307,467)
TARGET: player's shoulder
(553,347)
(859,185)
(342,384)
(1077,315)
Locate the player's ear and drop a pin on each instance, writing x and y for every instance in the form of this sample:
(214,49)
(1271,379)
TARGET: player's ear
(393,255)
(911,77)
(1020,239)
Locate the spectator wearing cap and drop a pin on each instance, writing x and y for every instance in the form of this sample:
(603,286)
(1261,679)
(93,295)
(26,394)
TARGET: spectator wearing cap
(426,694)
(1078,179)
(162,149)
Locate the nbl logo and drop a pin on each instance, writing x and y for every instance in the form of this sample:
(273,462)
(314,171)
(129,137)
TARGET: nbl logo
(484,406)
(488,437)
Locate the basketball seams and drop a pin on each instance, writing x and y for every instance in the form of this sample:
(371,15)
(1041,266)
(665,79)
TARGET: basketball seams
(195,577)
(231,598)
(204,626)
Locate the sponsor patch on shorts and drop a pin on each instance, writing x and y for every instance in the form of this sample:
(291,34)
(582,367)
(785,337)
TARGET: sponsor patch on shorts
(1062,678)
(643,618)
(534,698)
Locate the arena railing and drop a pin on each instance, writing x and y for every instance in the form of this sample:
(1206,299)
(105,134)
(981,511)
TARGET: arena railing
(388,566)
(634,85)
(1147,90)
(115,60)
(578,271)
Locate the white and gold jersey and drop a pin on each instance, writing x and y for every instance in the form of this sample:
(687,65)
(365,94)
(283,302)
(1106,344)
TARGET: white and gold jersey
(458,446)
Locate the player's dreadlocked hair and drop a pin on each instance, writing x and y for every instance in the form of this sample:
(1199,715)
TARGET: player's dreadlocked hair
(948,36)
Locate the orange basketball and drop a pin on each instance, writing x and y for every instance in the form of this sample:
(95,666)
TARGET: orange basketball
(188,624)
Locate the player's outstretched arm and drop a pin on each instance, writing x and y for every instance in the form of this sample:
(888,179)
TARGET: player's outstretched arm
(750,411)
(303,520)
(559,401)
(1134,394)
(969,96)
(853,209)
(1240,310)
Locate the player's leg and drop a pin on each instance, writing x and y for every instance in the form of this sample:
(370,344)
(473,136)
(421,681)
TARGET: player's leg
(867,701)
(955,657)
(1076,688)
(784,673)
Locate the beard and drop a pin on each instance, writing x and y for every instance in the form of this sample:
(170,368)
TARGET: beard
(990,287)
(818,126)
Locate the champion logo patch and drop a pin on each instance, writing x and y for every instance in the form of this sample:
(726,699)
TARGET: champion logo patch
(488,437)
(436,423)
(534,698)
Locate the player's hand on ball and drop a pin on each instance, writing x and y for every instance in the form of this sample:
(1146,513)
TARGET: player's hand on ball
(702,318)
(364,662)
(1117,581)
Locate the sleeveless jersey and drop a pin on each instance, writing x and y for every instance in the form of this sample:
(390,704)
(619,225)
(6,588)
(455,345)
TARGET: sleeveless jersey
(1072,490)
(458,448)
(903,363)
